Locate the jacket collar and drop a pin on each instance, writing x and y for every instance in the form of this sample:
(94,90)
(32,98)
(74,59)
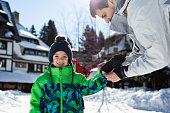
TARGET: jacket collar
(121,11)
(119,21)
(65,70)
(118,5)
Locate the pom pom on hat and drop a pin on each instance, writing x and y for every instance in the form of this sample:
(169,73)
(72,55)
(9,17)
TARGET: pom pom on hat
(60,37)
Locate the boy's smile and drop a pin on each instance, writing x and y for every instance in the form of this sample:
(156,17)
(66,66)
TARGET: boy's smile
(60,59)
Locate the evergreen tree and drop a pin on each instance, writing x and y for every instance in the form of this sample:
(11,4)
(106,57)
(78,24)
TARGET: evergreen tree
(44,34)
(48,33)
(89,43)
(101,41)
(33,31)
(52,32)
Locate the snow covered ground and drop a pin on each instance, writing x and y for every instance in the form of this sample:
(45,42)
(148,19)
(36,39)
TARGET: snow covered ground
(132,100)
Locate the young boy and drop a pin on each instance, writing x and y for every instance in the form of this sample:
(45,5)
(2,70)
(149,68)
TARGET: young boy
(59,89)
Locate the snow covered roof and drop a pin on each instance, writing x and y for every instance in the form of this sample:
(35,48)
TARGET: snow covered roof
(24,32)
(33,46)
(18,76)
(9,21)
(74,49)
(7,10)
(17,51)
(120,46)
(1,11)
(17,46)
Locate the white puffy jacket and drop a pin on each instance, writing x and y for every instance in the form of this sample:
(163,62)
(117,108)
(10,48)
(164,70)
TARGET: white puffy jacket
(149,28)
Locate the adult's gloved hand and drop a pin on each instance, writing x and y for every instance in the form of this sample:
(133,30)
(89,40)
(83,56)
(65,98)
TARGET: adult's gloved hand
(116,61)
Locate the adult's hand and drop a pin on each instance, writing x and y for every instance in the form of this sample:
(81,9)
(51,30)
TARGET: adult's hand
(116,61)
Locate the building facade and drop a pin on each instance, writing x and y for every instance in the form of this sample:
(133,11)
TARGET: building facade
(23,56)
(8,33)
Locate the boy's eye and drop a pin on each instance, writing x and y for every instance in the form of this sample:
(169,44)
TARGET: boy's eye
(64,56)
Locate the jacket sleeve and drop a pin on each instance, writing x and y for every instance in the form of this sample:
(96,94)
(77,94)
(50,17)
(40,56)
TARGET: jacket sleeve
(151,32)
(93,85)
(153,59)
(35,98)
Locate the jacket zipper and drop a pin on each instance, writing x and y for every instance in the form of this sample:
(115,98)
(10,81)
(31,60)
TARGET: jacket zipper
(61,90)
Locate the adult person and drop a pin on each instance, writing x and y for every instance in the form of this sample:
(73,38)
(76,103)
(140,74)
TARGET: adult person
(146,22)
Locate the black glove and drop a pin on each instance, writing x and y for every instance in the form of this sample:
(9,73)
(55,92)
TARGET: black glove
(116,61)
(109,84)
(120,71)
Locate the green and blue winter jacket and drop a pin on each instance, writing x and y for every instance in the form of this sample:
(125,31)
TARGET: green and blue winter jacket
(66,96)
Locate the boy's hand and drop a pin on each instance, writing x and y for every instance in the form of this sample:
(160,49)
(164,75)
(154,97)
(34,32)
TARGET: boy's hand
(116,61)
(111,76)
(100,65)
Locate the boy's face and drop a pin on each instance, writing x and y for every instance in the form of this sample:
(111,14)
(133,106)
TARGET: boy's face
(60,59)
(106,13)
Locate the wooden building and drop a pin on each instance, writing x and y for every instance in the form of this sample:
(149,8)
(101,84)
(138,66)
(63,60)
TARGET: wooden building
(23,56)
(8,33)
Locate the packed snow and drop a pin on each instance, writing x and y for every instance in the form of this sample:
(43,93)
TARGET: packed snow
(18,76)
(132,100)
(109,100)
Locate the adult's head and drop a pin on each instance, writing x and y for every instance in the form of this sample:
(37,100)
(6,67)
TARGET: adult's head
(102,8)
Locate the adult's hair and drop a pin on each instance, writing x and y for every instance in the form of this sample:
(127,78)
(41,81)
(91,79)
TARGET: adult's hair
(97,4)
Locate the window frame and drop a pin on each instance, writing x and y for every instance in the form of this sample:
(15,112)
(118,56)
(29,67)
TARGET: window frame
(3,63)
(1,44)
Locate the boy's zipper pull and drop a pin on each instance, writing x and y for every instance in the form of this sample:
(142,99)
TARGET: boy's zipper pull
(60,70)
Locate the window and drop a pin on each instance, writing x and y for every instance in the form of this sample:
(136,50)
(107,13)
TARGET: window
(36,42)
(39,53)
(39,68)
(32,41)
(26,51)
(3,45)
(30,67)
(1,85)
(44,54)
(29,52)
(32,52)
(9,86)
(20,65)
(24,39)
(2,62)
